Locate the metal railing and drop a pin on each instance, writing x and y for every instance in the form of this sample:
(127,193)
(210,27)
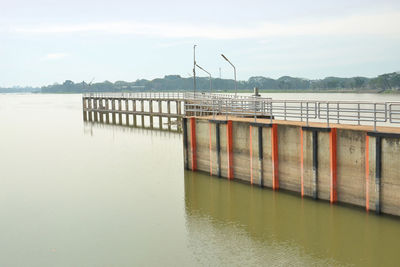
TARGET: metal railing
(394,112)
(207,104)
(348,112)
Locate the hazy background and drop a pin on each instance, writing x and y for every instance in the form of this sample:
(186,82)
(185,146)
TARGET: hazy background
(42,42)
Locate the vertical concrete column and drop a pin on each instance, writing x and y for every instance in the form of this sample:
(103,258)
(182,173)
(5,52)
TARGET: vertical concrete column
(367,173)
(95,109)
(113,110)
(84,102)
(101,112)
(185,143)
(229,141)
(193,142)
(218,148)
(210,146)
(134,111)
(275,157)
(378,172)
(151,112)
(142,110)
(120,109)
(90,109)
(251,152)
(160,112)
(260,156)
(169,114)
(333,164)
(178,106)
(315,165)
(301,162)
(107,111)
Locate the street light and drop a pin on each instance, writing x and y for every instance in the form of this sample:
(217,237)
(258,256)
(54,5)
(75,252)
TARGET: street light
(208,74)
(194,70)
(234,69)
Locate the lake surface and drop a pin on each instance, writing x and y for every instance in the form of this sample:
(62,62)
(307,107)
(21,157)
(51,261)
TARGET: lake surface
(82,194)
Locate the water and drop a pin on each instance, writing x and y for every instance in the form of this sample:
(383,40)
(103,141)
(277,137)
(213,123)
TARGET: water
(75,194)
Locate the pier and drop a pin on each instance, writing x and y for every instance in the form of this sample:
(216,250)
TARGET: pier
(337,151)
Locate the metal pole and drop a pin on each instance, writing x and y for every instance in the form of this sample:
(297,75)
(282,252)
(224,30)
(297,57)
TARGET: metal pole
(194,70)
(234,69)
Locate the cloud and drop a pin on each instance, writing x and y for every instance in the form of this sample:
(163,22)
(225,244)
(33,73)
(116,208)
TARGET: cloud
(377,24)
(54,56)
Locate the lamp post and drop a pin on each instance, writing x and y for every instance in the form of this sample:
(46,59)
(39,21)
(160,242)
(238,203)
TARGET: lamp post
(208,74)
(234,69)
(194,70)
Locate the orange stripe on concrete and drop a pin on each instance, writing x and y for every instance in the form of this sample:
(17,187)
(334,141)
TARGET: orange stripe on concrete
(229,148)
(333,164)
(302,162)
(367,172)
(275,165)
(251,155)
(209,136)
(193,142)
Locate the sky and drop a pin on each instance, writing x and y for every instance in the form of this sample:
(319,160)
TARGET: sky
(43,42)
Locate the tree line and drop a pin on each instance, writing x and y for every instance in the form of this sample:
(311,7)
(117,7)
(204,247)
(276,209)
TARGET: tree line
(384,82)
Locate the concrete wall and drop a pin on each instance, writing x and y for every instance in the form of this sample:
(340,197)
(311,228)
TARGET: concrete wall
(355,165)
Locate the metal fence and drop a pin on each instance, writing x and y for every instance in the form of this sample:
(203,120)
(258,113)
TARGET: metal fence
(347,112)
(207,104)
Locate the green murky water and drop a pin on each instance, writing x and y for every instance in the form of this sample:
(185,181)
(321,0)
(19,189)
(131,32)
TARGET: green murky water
(81,194)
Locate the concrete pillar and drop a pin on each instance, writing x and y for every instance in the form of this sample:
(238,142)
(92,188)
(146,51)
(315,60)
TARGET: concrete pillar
(275,157)
(113,117)
(193,142)
(229,140)
(108,110)
(260,156)
(333,164)
(185,143)
(169,114)
(378,172)
(218,148)
(151,112)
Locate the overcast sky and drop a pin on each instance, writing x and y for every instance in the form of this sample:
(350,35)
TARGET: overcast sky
(44,41)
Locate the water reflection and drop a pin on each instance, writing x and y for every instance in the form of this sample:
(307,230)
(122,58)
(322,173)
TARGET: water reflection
(277,228)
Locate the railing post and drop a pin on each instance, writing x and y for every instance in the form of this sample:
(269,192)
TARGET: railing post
(374,117)
(327,114)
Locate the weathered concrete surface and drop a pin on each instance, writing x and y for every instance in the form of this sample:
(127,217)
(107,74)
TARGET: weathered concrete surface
(351,167)
(202,143)
(241,151)
(289,157)
(390,183)
(324,164)
(307,163)
(267,160)
(353,172)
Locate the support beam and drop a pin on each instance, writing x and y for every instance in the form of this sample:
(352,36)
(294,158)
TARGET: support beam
(302,161)
(185,143)
(193,142)
(378,173)
(251,153)
(210,146)
(367,173)
(218,148)
(229,146)
(333,164)
(260,156)
(275,157)
(315,164)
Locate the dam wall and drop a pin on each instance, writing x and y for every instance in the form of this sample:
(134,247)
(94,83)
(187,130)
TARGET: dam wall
(340,164)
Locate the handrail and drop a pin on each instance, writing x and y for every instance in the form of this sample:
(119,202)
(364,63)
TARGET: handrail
(207,104)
